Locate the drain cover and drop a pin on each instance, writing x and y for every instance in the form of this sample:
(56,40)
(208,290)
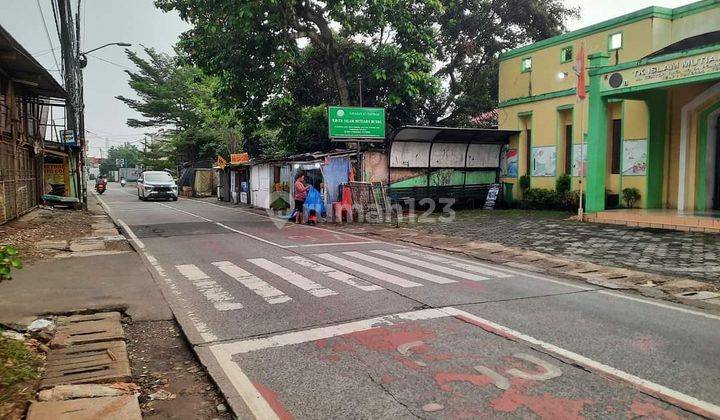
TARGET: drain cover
(87,363)
(84,329)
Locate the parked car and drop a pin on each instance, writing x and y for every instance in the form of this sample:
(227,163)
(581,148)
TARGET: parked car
(157,184)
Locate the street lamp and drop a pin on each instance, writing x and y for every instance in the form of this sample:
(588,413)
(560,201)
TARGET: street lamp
(83,55)
(562,75)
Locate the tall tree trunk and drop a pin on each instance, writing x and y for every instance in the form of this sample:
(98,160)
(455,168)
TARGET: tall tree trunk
(341,84)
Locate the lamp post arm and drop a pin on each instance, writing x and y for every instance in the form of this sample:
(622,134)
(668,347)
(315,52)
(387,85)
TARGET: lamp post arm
(120,44)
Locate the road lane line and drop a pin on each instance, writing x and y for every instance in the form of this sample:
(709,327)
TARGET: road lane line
(431,266)
(400,268)
(390,278)
(458,264)
(334,274)
(186,212)
(252,282)
(221,299)
(257,238)
(686,402)
(329,244)
(293,278)
(659,304)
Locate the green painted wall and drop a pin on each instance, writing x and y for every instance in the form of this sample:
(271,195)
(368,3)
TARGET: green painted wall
(447,177)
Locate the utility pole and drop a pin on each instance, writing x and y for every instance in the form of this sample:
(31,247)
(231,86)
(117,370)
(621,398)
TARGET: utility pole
(69,47)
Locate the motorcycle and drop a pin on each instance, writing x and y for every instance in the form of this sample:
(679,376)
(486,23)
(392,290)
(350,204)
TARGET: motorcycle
(100,187)
(122,183)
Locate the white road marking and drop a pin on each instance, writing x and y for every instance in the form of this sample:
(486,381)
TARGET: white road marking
(659,304)
(191,272)
(457,264)
(400,268)
(132,235)
(334,274)
(257,238)
(551,371)
(255,402)
(252,282)
(213,292)
(294,278)
(329,244)
(186,212)
(687,402)
(511,271)
(390,278)
(431,266)
(299,337)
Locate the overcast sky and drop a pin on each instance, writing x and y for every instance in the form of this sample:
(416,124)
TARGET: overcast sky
(138,22)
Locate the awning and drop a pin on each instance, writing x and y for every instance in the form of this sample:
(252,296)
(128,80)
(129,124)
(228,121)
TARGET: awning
(451,135)
(25,70)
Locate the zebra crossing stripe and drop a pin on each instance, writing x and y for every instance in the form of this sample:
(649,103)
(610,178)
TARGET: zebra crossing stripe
(191,272)
(213,292)
(430,266)
(400,268)
(294,278)
(390,278)
(334,274)
(252,282)
(457,263)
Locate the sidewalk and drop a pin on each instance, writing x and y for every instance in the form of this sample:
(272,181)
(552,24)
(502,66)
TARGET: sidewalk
(77,262)
(111,277)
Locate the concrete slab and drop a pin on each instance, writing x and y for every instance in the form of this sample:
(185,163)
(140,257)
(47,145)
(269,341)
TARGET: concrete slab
(107,408)
(88,331)
(48,244)
(72,392)
(86,245)
(62,286)
(87,363)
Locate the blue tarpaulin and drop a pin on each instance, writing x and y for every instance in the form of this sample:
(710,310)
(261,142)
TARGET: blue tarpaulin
(314,201)
(335,173)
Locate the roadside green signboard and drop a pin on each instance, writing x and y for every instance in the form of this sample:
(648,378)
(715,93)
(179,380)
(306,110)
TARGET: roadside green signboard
(356,123)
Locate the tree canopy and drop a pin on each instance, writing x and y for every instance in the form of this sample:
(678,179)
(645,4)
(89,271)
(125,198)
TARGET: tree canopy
(179,101)
(279,62)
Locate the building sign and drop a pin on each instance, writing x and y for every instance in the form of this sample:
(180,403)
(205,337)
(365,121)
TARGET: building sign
(236,158)
(69,137)
(667,71)
(356,123)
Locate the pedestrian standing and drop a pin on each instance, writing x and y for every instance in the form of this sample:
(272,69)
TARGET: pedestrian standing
(300,194)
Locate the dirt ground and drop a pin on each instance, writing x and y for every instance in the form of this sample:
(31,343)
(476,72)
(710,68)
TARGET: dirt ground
(44,224)
(164,366)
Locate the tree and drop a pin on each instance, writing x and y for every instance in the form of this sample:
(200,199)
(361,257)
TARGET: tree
(128,152)
(424,61)
(179,101)
(254,45)
(472,34)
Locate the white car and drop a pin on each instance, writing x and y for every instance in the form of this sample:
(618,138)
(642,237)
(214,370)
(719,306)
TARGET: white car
(157,184)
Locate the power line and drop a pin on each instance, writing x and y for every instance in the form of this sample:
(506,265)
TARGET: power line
(111,62)
(47,33)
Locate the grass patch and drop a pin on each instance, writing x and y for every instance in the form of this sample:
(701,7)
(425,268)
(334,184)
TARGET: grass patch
(19,373)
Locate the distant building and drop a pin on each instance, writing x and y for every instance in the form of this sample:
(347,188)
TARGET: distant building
(27,91)
(650,119)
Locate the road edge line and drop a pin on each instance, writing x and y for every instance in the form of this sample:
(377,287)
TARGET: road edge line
(660,392)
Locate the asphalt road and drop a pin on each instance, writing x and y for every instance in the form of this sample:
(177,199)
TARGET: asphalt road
(303,322)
